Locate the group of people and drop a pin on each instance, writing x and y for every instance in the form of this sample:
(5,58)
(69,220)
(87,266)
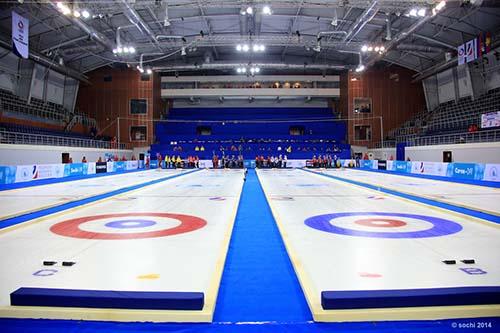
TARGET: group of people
(324,161)
(173,162)
(271,161)
(228,162)
(109,158)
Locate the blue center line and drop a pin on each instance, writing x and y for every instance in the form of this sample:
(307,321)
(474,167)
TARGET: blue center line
(259,282)
(462,210)
(43,212)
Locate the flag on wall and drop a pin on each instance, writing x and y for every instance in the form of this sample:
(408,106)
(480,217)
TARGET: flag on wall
(20,35)
(483,44)
(461,54)
(474,49)
(467,52)
(471,50)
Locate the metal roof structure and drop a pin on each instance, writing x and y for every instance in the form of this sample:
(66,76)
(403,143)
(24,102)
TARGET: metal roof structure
(307,36)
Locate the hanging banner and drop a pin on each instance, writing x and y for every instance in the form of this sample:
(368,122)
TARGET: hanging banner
(467,52)
(461,54)
(483,43)
(20,35)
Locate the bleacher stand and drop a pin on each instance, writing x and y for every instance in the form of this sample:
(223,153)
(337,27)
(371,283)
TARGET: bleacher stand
(251,132)
(450,123)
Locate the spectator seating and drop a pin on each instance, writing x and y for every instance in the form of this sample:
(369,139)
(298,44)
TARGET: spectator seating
(449,120)
(41,131)
(251,132)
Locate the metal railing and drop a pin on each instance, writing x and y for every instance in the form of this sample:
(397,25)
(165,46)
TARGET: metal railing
(443,139)
(386,144)
(472,137)
(53,140)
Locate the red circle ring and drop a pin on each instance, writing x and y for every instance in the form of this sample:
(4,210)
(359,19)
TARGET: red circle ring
(372,223)
(70,228)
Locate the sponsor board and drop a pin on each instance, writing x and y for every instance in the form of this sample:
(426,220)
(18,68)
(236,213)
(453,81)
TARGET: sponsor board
(74,169)
(465,170)
(91,168)
(491,172)
(101,167)
(110,166)
(402,166)
(429,168)
(119,166)
(24,173)
(131,165)
(7,174)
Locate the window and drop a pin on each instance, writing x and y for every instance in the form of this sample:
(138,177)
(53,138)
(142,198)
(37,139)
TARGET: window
(138,133)
(362,105)
(108,78)
(362,132)
(138,106)
(297,130)
(203,130)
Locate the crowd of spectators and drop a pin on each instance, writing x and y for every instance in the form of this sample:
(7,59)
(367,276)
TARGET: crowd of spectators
(174,162)
(324,161)
(108,158)
(279,161)
(226,161)
(246,85)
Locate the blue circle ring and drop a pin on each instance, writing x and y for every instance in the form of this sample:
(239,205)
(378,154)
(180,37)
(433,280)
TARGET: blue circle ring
(132,223)
(441,227)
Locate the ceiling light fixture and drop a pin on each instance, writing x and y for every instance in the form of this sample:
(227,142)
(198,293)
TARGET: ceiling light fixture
(441,5)
(360,68)
(266,10)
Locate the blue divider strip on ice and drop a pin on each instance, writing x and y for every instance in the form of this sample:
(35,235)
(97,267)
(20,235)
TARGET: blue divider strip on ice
(259,282)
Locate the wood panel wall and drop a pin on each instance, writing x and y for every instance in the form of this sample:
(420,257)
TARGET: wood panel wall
(106,101)
(394,98)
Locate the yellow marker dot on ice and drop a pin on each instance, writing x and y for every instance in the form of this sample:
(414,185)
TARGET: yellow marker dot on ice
(149,276)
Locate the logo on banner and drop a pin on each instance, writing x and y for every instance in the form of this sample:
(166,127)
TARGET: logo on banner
(25,173)
(20,35)
(491,172)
